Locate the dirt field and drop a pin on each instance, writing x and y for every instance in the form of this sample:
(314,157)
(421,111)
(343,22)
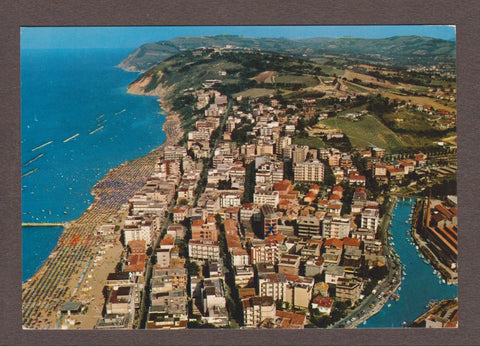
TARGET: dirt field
(452,140)
(264,77)
(350,75)
(421,100)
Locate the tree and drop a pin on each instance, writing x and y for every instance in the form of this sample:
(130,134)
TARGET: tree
(329,178)
(182,202)
(119,267)
(192,268)
(149,251)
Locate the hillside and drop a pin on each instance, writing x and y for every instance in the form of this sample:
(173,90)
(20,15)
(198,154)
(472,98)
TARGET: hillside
(398,51)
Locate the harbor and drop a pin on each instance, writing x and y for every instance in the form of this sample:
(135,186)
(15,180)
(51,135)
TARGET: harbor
(417,275)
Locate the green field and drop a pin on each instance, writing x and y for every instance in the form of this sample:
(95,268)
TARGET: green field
(409,119)
(312,142)
(367,131)
(255,92)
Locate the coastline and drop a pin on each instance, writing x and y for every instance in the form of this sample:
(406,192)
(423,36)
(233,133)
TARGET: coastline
(76,269)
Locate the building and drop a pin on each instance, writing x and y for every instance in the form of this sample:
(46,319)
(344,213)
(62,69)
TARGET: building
(322,304)
(121,301)
(289,264)
(309,171)
(336,227)
(370,218)
(333,273)
(175,152)
(314,266)
(257,309)
(265,197)
(299,153)
(213,302)
(348,289)
(269,220)
(294,290)
(244,275)
(202,250)
(308,226)
(204,230)
(289,320)
(263,251)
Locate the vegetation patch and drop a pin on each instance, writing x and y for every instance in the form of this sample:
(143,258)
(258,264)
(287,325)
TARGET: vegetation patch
(367,131)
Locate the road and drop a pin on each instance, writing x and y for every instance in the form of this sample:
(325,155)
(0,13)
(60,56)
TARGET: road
(386,287)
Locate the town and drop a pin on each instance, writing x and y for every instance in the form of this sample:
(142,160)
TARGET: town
(239,226)
(270,203)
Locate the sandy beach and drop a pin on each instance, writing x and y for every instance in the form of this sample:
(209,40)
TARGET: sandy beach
(77,269)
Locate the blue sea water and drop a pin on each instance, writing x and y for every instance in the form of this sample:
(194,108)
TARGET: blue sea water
(65,93)
(420,284)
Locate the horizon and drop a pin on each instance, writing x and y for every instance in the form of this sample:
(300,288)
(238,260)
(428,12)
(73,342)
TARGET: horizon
(134,37)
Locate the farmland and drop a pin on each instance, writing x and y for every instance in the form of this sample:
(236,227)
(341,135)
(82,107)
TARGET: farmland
(367,131)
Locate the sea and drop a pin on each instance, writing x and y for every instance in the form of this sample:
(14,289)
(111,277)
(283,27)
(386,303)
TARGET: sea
(77,123)
(420,285)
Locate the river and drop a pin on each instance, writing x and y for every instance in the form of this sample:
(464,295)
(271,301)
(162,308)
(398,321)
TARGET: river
(419,286)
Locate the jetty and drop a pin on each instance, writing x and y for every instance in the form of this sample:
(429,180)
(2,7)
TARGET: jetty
(44,224)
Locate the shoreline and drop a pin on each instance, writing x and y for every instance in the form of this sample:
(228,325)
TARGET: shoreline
(77,267)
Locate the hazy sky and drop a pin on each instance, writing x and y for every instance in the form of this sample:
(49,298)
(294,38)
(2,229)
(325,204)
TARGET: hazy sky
(132,37)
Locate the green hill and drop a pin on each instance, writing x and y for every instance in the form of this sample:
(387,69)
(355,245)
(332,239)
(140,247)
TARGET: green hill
(398,50)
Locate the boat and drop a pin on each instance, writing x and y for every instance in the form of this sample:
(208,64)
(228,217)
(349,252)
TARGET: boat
(71,137)
(120,111)
(32,160)
(45,144)
(389,305)
(395,297)
(30,172)
(100,116)
(102,122)
(94,131)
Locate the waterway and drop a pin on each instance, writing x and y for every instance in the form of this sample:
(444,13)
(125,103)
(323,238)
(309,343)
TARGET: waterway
(419,286)
(65,93)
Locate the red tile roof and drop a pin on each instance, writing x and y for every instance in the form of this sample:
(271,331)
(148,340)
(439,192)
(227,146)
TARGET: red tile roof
(323,301)
(334,242)
(198,222)
(291,319)
(351,241)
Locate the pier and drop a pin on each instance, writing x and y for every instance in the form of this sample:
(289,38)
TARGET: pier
(44,224)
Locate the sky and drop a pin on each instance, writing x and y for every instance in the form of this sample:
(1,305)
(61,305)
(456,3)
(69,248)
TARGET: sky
(132,37)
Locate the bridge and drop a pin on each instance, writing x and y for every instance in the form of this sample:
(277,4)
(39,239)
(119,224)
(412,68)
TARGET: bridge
(43,224)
